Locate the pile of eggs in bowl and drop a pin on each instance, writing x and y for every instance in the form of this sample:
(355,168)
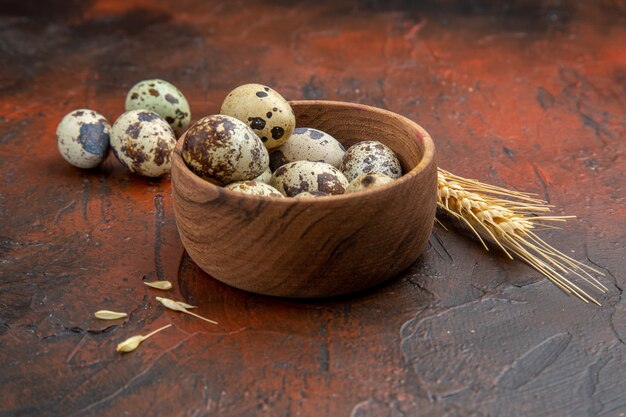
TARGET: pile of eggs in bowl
(251,147)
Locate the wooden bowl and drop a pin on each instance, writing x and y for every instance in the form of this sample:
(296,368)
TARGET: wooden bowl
(319,246)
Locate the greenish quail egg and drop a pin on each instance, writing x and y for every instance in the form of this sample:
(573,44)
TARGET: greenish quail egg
(264,110)
(83,138)
(296,177)
(310,194)
(308,144)
(368,181)
(254,188)
(142,141)
(265,177)
(222,149)
(164,99)
(370,156)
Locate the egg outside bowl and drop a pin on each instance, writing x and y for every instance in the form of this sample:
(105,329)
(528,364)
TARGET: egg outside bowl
(322,246)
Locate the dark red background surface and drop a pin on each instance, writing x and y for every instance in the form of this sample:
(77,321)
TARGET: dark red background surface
(529,95)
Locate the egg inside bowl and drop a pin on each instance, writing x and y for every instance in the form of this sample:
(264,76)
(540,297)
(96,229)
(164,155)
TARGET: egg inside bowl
(314,247)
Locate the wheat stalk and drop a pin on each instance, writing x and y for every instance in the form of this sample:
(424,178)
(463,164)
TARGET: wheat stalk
(509,220)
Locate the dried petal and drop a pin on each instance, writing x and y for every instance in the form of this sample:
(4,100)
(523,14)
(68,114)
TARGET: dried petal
(109,315)
(130,344)
(159,285)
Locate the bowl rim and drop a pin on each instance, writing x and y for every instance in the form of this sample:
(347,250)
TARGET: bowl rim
(428,158)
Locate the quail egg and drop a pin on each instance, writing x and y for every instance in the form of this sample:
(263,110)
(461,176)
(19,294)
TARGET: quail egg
(299,176)
(142,141)
(264,110)
(164,99)
(222,149)
(310,194)
(368,181)
(265,177)
(83,138)
(370,156)
(254,188)
(308,144)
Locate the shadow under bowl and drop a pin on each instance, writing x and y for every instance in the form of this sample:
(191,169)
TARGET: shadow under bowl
(315,247)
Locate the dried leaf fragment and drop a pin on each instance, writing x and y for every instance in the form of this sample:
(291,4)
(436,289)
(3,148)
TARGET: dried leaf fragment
(159,285)
(109,315)
(133,342)
(180,306)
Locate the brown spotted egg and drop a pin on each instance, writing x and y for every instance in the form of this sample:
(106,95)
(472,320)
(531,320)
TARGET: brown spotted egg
(162,98)
(222,149)
(296,177)
(142,141)
(83,138)
(310,194)
(264,110)
(254,188)
(368,181)
(308,144)
(265,177)
(370,156)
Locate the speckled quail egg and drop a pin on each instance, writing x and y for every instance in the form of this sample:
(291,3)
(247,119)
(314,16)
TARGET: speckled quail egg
(83,138)
(265,177)
(264,110)
(254,188)
(368,181)
(293,178)
(370,156)
(142,141)
(164,99)
(222,149)
(308,144)
(310,194)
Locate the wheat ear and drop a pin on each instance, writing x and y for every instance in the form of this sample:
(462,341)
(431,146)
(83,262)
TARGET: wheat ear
(509,220)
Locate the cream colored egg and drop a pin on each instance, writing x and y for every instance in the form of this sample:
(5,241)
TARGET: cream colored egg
(142,141)
(265,177)
(254,188)
(264,110)
(296,177)
(310,194)
(370,156)
(368,181)
(83,138)
(222,149)
(162,98)
(308,144)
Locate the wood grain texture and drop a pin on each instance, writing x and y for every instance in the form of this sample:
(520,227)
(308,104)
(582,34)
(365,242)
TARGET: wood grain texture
(525,94)
(315,247)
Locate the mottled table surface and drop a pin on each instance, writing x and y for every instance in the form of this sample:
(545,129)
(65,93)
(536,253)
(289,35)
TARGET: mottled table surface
(529,95)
